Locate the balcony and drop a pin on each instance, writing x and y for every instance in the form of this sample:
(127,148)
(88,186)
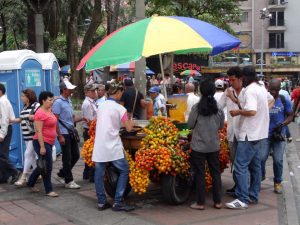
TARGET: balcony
(277,4)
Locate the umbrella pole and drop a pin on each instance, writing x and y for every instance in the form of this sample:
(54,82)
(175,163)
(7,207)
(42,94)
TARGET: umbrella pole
(163,77)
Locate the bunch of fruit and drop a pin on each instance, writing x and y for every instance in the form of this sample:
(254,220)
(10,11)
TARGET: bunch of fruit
(160,153)
(138,177)
(88,146)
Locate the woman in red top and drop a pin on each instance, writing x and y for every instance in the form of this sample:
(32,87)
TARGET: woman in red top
(43,140)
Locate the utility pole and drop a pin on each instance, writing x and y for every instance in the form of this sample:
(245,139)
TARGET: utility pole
(139,73)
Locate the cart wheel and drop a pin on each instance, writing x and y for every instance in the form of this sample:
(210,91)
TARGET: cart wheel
(175,189)
(110,181)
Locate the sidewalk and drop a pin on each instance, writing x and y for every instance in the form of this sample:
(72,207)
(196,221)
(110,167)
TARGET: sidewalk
(20,206)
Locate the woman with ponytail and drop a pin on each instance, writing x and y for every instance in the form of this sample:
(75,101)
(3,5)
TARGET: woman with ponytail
(205,120)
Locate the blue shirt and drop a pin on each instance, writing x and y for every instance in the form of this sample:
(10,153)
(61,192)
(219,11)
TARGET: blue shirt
(278,114)
(63,107)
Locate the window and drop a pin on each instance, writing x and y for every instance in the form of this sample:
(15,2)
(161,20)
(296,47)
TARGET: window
(277,19)
(276,40)
(244,17)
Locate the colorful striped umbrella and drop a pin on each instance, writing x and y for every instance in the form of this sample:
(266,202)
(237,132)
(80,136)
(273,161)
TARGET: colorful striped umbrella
(190,72)
(157,35)
(128,67)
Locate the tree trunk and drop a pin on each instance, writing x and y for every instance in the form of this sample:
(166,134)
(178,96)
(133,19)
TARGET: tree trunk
(88,37)
(30,30)
(39,32)
(72,43)
(3,40)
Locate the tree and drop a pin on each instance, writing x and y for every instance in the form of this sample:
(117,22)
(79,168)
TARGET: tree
(217,12)
(36,9)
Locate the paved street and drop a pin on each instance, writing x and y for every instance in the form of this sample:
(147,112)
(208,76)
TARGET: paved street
(20,206)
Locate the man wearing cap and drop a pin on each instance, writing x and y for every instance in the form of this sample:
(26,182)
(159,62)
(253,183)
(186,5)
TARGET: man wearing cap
(219,93)
(158,104)
(132,100)
(89,113)
(63,110)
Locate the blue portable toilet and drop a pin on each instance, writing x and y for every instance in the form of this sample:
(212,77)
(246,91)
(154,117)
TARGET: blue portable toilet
(51,72)
(20,69)
(52,78)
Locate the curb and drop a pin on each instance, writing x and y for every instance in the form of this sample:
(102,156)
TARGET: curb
(288,190)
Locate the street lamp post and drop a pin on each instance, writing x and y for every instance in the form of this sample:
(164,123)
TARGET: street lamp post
(263,15)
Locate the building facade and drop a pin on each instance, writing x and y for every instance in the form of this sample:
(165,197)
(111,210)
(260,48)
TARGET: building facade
(276,34)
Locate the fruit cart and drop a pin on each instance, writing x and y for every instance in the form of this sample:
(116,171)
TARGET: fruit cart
(175,189)
(159,153)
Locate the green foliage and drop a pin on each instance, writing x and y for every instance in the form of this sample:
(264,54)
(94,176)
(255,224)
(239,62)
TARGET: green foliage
(58,47)
(217,12)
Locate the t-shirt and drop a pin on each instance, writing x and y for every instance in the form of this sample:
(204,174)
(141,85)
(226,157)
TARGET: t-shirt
(218,96)
(108,145)
(158,104)
(26,124)
(49,125)
(254,127)
(128,98)
(295,94)
(278,113)
(63,107)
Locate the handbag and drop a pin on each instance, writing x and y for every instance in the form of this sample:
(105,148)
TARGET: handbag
(41,165)
(72,132)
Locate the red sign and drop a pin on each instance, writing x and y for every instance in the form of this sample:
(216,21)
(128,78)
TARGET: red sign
(181,66)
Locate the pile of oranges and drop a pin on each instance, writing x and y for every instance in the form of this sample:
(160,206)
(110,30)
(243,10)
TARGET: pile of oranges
(159,153)
(88,146)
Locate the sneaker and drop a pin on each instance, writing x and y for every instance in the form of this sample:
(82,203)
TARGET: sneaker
(104,206)
(290,139)
(298,139)
(122,207)
(252,201)
(236,204)
(59,179)
(278,188)
(72,185)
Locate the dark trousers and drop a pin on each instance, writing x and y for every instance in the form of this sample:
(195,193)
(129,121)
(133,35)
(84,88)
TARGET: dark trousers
(70,155)
(36,173)
(7,169)
(198,164)
(88,171)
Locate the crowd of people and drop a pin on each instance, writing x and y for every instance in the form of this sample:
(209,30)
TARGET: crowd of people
(245,105)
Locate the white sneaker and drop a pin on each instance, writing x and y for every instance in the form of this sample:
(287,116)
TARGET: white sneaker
(59,179)
(236,204)
(72,185)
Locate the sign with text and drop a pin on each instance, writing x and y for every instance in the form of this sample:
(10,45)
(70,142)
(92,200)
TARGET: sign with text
(33,78)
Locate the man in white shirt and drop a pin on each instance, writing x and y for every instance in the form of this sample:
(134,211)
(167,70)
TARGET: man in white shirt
(219,93)
(251,133)
(89,113)
(192,99)
(7,169)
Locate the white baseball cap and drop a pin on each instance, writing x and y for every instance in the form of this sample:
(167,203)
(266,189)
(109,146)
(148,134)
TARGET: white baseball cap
(66,84)
(219,83)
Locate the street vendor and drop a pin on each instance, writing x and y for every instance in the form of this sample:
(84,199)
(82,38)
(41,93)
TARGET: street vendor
(108,147)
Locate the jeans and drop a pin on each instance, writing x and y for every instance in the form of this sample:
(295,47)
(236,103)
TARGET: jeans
(288,132)
(70,155)
(35,174)
(278,149)
(7,169)
(123,168)
(247,165)
(198,164)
